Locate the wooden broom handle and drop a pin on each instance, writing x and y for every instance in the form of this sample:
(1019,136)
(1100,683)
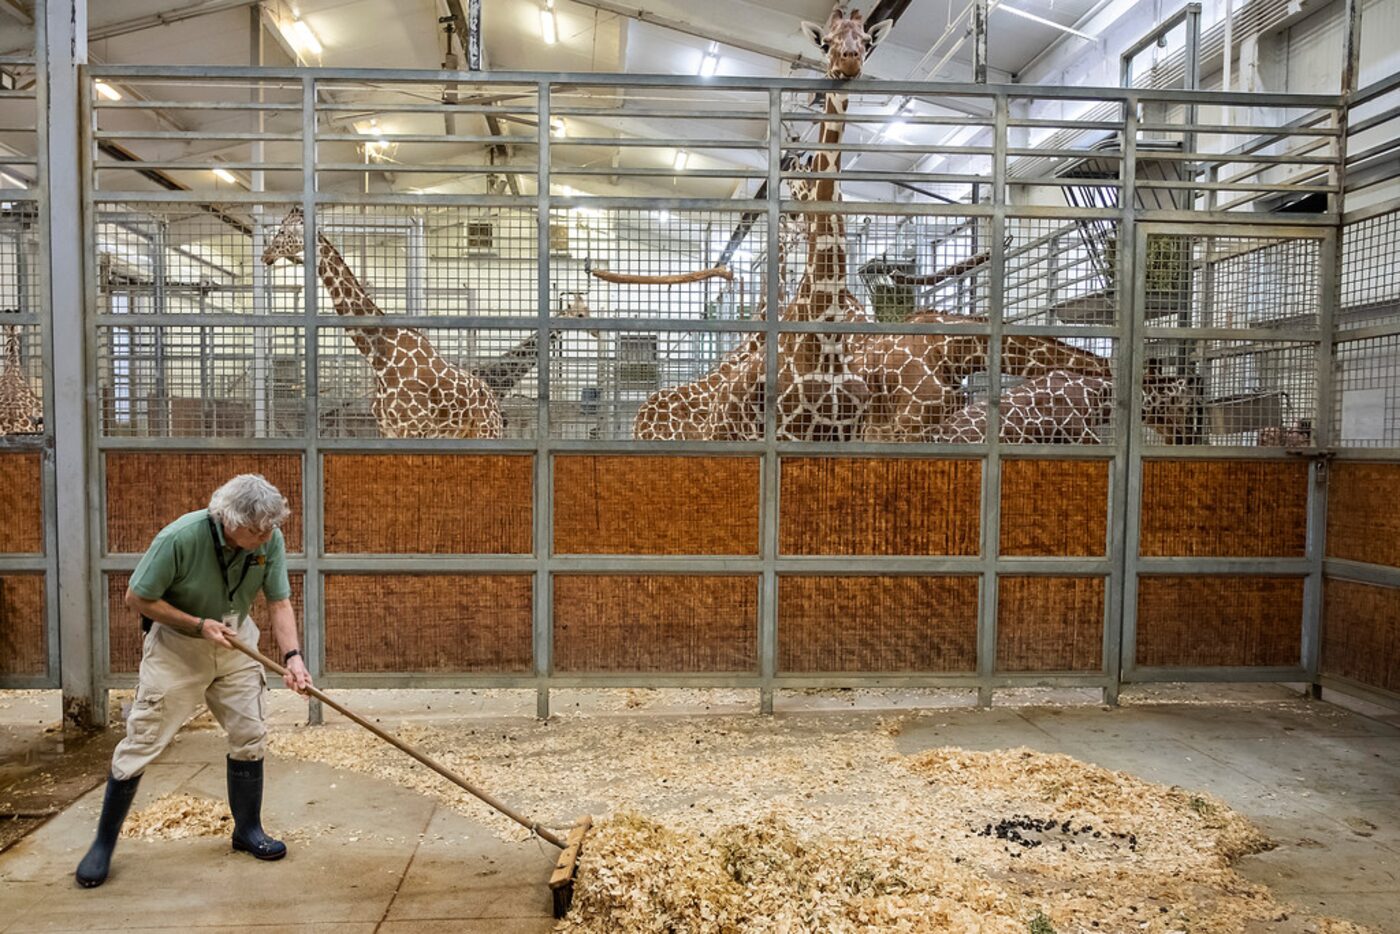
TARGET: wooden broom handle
(394,741)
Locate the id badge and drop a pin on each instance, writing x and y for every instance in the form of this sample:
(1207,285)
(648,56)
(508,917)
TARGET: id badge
(231,621)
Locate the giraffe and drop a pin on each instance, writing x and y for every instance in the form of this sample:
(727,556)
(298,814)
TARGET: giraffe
(504,372)
(819,394)
(1059,407)
(916,380)
(21,412)
(418,394)
(1067,407)
(725,404)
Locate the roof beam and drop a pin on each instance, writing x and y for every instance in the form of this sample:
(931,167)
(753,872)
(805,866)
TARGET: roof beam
(796,60)
(16,9)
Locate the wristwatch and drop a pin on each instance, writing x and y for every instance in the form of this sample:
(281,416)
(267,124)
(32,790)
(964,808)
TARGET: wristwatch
(288,656)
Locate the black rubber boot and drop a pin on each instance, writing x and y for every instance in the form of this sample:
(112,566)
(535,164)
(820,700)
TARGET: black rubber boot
(245,788)
(92,871)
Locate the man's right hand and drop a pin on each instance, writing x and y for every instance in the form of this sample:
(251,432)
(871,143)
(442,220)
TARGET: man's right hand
(216,632)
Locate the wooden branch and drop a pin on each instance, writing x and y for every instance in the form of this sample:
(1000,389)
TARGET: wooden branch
(950,272)
(718,272)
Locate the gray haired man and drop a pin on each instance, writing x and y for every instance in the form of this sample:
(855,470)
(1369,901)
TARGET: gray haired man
(193,589)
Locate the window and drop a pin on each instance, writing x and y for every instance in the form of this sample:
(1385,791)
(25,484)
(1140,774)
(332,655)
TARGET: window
(481,237)
(558,239)
(637,366)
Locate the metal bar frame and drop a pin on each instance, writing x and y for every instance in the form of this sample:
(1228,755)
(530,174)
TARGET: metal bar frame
(1120,566)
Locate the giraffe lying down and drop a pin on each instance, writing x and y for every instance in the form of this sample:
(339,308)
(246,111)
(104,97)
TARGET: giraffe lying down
(1058,408)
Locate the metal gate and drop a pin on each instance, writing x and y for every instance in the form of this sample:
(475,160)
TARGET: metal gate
(1144,503)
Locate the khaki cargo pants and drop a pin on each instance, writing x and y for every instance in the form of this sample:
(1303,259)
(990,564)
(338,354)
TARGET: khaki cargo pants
(178,673)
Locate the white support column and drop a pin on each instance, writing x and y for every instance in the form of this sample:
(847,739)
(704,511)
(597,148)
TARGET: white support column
(63,49)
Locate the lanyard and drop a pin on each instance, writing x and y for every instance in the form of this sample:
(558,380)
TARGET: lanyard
(223,565)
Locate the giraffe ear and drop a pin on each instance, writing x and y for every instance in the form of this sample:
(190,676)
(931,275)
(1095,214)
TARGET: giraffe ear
(815,33)
(879,31)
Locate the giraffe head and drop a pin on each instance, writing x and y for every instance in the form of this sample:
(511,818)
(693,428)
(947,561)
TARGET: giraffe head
(577,307)
(290,240)
(1171,403)
(846,41)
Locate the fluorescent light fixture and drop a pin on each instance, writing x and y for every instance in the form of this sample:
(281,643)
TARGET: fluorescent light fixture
(1046,22)
(663,215)
(107,91)
(557,128)
(304,38)
(224,175)
(682,157)
(9,181)
(549,29)
(710,63)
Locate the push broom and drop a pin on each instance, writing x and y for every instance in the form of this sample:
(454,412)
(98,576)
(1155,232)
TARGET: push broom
(561,881)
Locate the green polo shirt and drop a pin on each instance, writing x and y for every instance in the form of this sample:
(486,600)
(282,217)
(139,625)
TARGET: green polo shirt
(180,567)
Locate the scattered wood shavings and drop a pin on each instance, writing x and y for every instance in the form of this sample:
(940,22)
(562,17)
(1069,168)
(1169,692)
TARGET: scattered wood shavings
(178,817)
(726,824)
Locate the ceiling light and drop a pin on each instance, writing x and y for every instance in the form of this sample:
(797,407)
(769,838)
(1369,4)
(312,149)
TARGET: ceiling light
(663,215)
(710,63)
(10,181)
(682,157)
(549,29)
(107,91)
(1046,22)
(224,175)
(303,38)
(557,128)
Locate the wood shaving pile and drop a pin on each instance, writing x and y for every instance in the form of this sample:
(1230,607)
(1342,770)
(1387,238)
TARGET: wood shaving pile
(802,825)
(178,817)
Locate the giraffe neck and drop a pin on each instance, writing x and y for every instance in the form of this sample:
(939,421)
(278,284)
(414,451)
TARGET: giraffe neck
(503,373)
(349,297)
(826,247)
(12,361)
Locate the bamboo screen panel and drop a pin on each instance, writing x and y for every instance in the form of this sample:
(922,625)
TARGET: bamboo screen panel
(1050,623)
(146,492)
(1361,633)
(24,642)
(877,624)
(671,623)
(426,622)
(1362,522)
(428,503)
(642,505)
(124,627)
(1054,508)
(21,503)
(880,506)
(1203,621)
(1214,508)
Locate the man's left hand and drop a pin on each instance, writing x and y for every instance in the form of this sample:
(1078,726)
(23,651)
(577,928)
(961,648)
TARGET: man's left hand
(297,677)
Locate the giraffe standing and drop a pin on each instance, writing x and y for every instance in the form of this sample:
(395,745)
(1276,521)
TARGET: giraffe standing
(21,412)
(506,371)
(418,394)
(820,396)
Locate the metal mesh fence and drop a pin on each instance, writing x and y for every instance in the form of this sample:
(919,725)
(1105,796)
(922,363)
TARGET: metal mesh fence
(1366,412)
(1230,392)
(1370,272)
(1062,273)
(177,381)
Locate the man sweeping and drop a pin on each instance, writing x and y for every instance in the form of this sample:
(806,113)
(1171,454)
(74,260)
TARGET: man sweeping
(193,589)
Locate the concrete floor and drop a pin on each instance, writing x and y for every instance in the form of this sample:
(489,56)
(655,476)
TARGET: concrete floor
(1322,780)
